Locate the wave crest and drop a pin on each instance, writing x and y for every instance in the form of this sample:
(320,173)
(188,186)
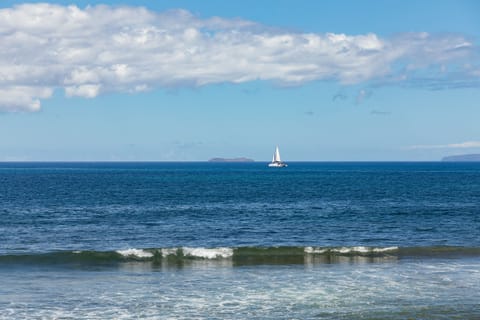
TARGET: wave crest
(208,253)
(349,250)
(137,253)
(241,255)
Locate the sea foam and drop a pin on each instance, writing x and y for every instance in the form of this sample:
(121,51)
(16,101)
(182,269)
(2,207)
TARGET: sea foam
(385,249)
(168,251)
(138,253)
(315,250)
(208,253)
(347,250)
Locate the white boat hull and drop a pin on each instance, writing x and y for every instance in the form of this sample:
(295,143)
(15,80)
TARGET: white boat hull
(277,165)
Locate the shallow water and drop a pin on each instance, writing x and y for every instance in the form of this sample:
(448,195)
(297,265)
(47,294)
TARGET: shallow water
(440,289)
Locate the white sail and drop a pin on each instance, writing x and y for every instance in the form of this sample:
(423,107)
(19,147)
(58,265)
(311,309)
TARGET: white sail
(276,156)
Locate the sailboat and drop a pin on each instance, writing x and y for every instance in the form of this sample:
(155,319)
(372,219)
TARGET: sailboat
(276,161)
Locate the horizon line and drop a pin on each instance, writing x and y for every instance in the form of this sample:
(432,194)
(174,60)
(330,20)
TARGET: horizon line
(207,161)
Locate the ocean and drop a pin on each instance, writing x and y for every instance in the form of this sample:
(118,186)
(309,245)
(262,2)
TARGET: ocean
(315,240)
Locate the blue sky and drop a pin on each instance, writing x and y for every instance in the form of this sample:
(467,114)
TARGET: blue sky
(191,80)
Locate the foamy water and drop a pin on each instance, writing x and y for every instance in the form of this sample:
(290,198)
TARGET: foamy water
(347,250)
(138,253)
(409,289)
(208,253)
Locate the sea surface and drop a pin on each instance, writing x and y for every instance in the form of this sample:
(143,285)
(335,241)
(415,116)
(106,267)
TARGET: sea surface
(364,240)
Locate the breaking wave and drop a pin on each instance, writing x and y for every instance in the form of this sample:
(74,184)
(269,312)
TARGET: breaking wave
(136,253)
(348,250)
(242,255)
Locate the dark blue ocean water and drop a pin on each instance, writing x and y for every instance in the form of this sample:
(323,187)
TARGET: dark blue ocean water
(322,240)
(108,206)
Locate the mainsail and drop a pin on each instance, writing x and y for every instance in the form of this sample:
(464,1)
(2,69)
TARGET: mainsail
(276,156)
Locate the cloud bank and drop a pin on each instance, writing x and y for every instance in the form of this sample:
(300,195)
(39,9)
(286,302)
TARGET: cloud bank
(88,51)
(461,145)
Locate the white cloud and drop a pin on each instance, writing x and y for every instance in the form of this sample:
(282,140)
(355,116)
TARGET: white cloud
(84,90)
(461,145)
(23,98)
(100,49)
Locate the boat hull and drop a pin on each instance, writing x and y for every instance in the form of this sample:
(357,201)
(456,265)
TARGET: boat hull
(277,165)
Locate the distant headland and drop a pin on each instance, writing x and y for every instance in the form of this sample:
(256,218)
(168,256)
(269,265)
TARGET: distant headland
(463,158)
(231,160)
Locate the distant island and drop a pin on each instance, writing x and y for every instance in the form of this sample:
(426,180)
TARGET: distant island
(462,158)
(231,160)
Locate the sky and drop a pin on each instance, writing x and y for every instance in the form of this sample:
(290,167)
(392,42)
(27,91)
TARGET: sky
(192,80)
